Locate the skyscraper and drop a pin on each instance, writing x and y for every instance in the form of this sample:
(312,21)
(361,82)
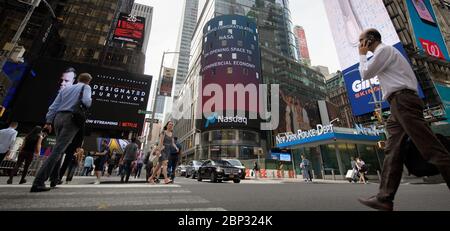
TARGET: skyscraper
(146,12)
(189,21)
(302,45)
(220,38)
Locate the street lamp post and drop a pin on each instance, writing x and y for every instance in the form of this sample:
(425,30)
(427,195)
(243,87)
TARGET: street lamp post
(21,28)
(158,86)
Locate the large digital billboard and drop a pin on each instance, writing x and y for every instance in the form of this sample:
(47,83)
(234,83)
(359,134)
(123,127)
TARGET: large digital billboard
(348,19)
(231,57)
(296,113)
(130,28)
(117,96)
(427,34)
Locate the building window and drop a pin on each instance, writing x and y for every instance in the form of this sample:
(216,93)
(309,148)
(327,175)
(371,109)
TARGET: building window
(230,31)
(220,23)
(233,22)
(230,70)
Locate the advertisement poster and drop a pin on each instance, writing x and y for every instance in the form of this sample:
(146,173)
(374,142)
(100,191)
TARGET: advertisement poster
(117,96)
(130,28)
(231,56)
(444,93)
(296,113)
(427,34)
(348,19)
(167,82)
(423,11)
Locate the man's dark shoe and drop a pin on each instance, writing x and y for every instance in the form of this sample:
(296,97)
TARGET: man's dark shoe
(9,181)
(374,203)
(23,181)
(53,185)
(59,182)
(39,189)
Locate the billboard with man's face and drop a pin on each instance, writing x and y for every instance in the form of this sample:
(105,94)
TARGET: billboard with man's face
(116,95)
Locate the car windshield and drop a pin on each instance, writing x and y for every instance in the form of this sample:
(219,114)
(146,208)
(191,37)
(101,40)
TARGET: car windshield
(197,163)
(235,162)
(222,163)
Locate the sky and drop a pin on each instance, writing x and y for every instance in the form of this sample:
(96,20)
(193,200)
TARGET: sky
(167,19)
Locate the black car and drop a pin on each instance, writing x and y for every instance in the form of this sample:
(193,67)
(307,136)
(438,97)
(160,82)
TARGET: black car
(236,163)
(192,168)
(218,171)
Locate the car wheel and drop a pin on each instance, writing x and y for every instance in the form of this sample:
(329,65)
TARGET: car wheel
(237,181)
(213,178)
(199,178)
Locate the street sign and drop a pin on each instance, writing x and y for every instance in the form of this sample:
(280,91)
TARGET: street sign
(148,120)
(142,112)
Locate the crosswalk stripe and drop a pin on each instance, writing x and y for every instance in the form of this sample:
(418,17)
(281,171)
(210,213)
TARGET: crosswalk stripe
(101,186)
(186,209)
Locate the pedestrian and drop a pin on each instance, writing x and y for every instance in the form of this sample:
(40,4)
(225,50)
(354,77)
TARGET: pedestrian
(355,173)
(256,169)
(112,163)
(166,141)
(281,169)
(399,86)
(60,170)
(88,165)
(148,164)
(66,118)
(129,156)
(174,156)
(139,164)
(76,162)
(100,161)
(7,140)
(305,166)
(30,147)
(362,170)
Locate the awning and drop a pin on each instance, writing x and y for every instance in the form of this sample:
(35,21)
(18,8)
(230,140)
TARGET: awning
(331,138)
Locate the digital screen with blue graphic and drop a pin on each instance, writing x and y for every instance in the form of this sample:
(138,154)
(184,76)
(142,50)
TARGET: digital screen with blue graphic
(348,19)
(427,34)
(15,73)
(231,57)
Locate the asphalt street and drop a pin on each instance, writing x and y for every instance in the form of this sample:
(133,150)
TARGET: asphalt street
(191,195)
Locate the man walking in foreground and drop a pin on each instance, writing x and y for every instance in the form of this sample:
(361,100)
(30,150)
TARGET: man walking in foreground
(399,86)
(61,116)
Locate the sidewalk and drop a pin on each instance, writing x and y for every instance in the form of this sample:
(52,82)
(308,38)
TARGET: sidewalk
(79,180)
